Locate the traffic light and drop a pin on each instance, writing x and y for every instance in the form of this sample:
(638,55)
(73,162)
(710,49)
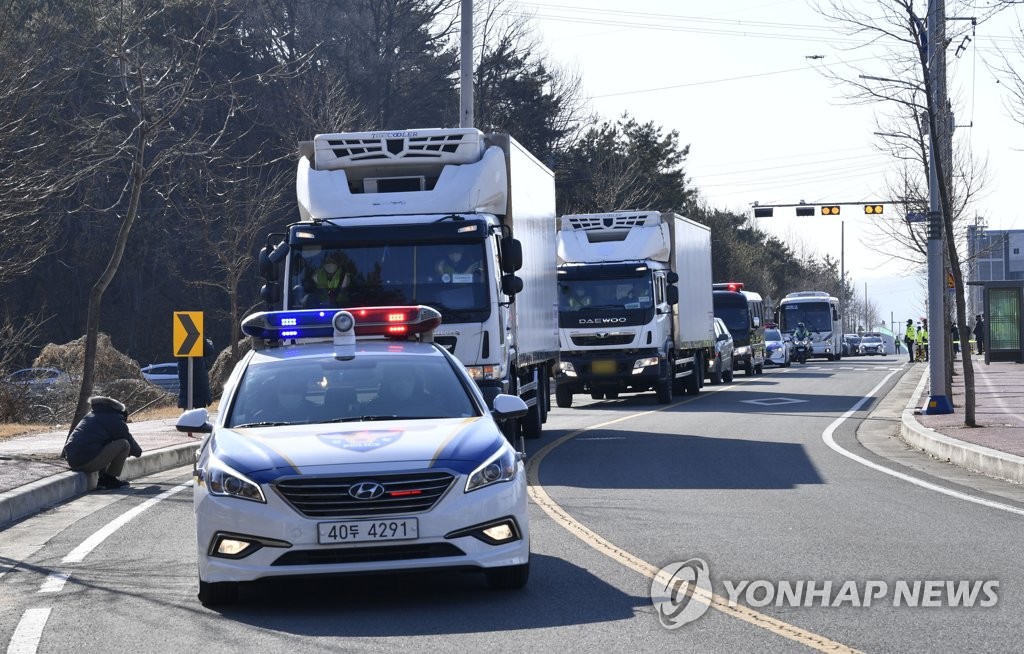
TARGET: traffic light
(832,210)
(873,208)
(763,212)
(805,211)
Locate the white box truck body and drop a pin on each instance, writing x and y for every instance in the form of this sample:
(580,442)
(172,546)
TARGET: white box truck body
(450,218)
(635,304)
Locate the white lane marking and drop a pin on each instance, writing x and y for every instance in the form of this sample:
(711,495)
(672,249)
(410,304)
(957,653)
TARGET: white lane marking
(774,401)
(827,436)
(54,582)
(89,544)
(30,629)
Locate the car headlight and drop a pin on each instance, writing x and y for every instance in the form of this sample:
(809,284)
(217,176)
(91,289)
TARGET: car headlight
(567,368)
(499,467)
(221,479)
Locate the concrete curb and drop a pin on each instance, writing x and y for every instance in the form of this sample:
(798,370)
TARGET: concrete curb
(978,458)
(42,494)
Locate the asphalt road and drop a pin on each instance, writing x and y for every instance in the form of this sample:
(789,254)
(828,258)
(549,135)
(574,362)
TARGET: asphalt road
(740,477)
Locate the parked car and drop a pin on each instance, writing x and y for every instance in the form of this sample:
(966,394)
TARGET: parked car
(38,380)
(778,351)
(852,343)
(721,369)
(872,345)
(164,375)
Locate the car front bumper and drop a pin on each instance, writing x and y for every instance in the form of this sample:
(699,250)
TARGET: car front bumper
(289,541)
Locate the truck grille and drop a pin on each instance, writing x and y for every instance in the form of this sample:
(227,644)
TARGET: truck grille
(328,497)
(607,339)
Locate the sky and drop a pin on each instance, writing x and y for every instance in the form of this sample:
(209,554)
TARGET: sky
(742,83)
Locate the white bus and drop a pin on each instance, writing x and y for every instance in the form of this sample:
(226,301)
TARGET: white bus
(819,312)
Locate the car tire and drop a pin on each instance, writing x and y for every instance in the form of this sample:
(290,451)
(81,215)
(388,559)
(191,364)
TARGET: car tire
(217,593)
(727,376)
(716,373)
(509,577)
(749,369)
(611,395)
(563,396)
(594,395)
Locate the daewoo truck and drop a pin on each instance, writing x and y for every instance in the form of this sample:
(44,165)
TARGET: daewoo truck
(635,307)
(455,219)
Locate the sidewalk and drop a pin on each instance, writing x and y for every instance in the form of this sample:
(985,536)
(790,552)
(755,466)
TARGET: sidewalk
(996,446)
(33,477)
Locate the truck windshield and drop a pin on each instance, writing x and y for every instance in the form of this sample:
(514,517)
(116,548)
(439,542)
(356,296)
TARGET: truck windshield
(448,277)
(605,293)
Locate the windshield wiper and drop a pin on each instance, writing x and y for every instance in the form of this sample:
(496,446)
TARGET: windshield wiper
(261,424)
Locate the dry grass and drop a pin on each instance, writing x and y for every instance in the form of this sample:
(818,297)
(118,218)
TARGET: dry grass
(10,430)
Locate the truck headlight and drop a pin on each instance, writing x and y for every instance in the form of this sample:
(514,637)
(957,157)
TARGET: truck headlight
(479,373)
(220,479)
(567,368)
(640,364)
(501,466)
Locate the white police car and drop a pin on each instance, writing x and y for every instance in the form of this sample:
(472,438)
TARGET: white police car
(331,455)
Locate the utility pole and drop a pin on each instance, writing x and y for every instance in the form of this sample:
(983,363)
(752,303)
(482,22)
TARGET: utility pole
(466,66)
(938,401)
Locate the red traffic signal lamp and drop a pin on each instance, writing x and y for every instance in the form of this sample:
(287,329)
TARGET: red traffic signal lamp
(873,208)
(830,210)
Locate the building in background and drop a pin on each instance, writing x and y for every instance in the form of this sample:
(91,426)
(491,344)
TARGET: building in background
(993,255)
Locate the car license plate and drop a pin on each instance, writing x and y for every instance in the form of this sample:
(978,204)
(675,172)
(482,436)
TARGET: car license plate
(603,367)
(362,531)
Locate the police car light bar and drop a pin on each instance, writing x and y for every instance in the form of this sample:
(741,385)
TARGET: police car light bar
(391,322)
(728,286)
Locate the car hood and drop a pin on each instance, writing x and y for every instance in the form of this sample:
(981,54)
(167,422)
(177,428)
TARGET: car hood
(265,453)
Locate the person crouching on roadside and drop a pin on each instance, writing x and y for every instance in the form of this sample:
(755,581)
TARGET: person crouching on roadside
(101,443)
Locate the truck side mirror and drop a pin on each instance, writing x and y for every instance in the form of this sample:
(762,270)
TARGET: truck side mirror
(672,277)
(266,268)
(835,314)
(673,294)
(511,255)
(270,293)
(511,285)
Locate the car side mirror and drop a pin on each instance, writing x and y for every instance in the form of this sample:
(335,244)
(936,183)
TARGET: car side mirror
(196,420)
(507,407)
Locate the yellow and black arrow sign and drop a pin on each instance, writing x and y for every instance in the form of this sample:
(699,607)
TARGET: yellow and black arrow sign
(188,333)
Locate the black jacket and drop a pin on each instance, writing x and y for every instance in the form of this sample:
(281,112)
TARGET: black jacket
(107,422)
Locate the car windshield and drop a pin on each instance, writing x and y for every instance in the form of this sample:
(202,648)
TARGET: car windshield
(772,335)
(304,391)
(871,340)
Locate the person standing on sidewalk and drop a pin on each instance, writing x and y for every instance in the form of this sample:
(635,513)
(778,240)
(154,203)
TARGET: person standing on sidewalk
(908,339)
(979,333)
(101,443)
(954,333)
(923,333)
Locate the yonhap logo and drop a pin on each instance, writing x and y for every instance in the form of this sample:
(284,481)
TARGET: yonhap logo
(673,589)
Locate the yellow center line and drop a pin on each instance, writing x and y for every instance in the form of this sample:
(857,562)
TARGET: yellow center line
(562,517)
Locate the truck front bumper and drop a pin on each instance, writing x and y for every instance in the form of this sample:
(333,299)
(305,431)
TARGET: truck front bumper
(610,371)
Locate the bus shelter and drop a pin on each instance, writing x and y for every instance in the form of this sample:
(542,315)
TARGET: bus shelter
(1003,303)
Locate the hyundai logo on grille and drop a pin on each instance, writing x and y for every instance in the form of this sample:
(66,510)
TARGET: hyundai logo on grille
(366,490)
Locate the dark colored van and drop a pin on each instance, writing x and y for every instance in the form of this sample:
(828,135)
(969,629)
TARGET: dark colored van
(743,313)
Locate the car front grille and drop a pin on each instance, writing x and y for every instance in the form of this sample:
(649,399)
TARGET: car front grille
(368,554)
(328,497)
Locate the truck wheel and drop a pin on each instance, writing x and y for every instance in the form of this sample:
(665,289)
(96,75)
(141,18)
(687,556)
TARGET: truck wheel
(693,381)
(663,391)
(531,424)
(563,396)
(596,395)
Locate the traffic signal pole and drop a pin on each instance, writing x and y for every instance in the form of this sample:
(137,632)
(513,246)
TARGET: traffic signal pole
(938,402)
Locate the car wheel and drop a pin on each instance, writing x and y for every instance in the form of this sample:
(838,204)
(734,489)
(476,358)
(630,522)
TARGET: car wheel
(217,593)
(611,395)
(727,376)
(716,373)
(596,395)
(749,370)
(510,577)
(563,396)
